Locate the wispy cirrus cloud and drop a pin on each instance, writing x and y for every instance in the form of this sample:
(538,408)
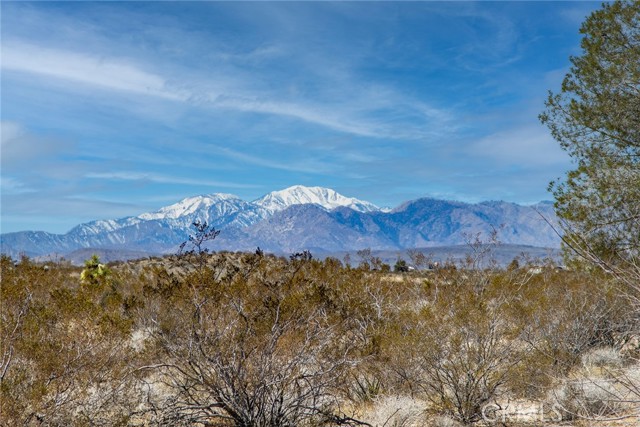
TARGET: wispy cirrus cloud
(23,152)
(305,166)
(10,185)
(164,179)
(108,73)
(529,146)
(352,119)
(120,75)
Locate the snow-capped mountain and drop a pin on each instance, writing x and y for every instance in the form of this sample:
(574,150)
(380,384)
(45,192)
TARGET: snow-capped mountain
(299,218)
(189,206)
(300,195)
(220,209)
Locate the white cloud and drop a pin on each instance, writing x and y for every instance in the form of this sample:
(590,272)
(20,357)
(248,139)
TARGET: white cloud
(576,14)
(21,148)
(312,166)
(87,69)
(10,185)
(369,111)
(346,105)
(9,131)
(529,146)
(164,179)
(299,111)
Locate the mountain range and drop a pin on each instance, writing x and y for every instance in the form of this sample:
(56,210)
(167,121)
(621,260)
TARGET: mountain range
(297,218)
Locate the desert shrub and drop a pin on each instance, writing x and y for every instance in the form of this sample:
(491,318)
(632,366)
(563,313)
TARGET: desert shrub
(259,348)
(444,421)
(603,357)
(253,339)
(481,334)
(589,398)
(628,381)
(364,388)
(395,411)
(567,314)
(458,351)
(64,348)
(602,386)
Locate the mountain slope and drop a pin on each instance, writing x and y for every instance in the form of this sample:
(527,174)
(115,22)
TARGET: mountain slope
(419,223)
(190,205)
(311,227)
(300,195)
(300,218)
(429,222)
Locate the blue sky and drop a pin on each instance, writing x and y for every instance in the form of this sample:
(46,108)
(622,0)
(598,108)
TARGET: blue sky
(112,109)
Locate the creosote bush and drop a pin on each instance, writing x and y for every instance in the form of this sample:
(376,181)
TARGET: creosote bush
(64,348)
(253,348)
(250,339)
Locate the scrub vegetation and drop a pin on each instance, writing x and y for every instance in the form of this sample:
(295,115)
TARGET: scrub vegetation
(257,340)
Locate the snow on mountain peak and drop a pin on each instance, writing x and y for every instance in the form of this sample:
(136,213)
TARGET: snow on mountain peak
(301,195)
(188,206)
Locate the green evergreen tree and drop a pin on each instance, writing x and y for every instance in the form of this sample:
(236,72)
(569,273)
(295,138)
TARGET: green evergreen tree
(596,118)
(401,266)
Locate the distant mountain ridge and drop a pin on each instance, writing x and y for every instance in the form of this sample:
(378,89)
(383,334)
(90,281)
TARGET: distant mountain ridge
(297,218)
(300,195)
